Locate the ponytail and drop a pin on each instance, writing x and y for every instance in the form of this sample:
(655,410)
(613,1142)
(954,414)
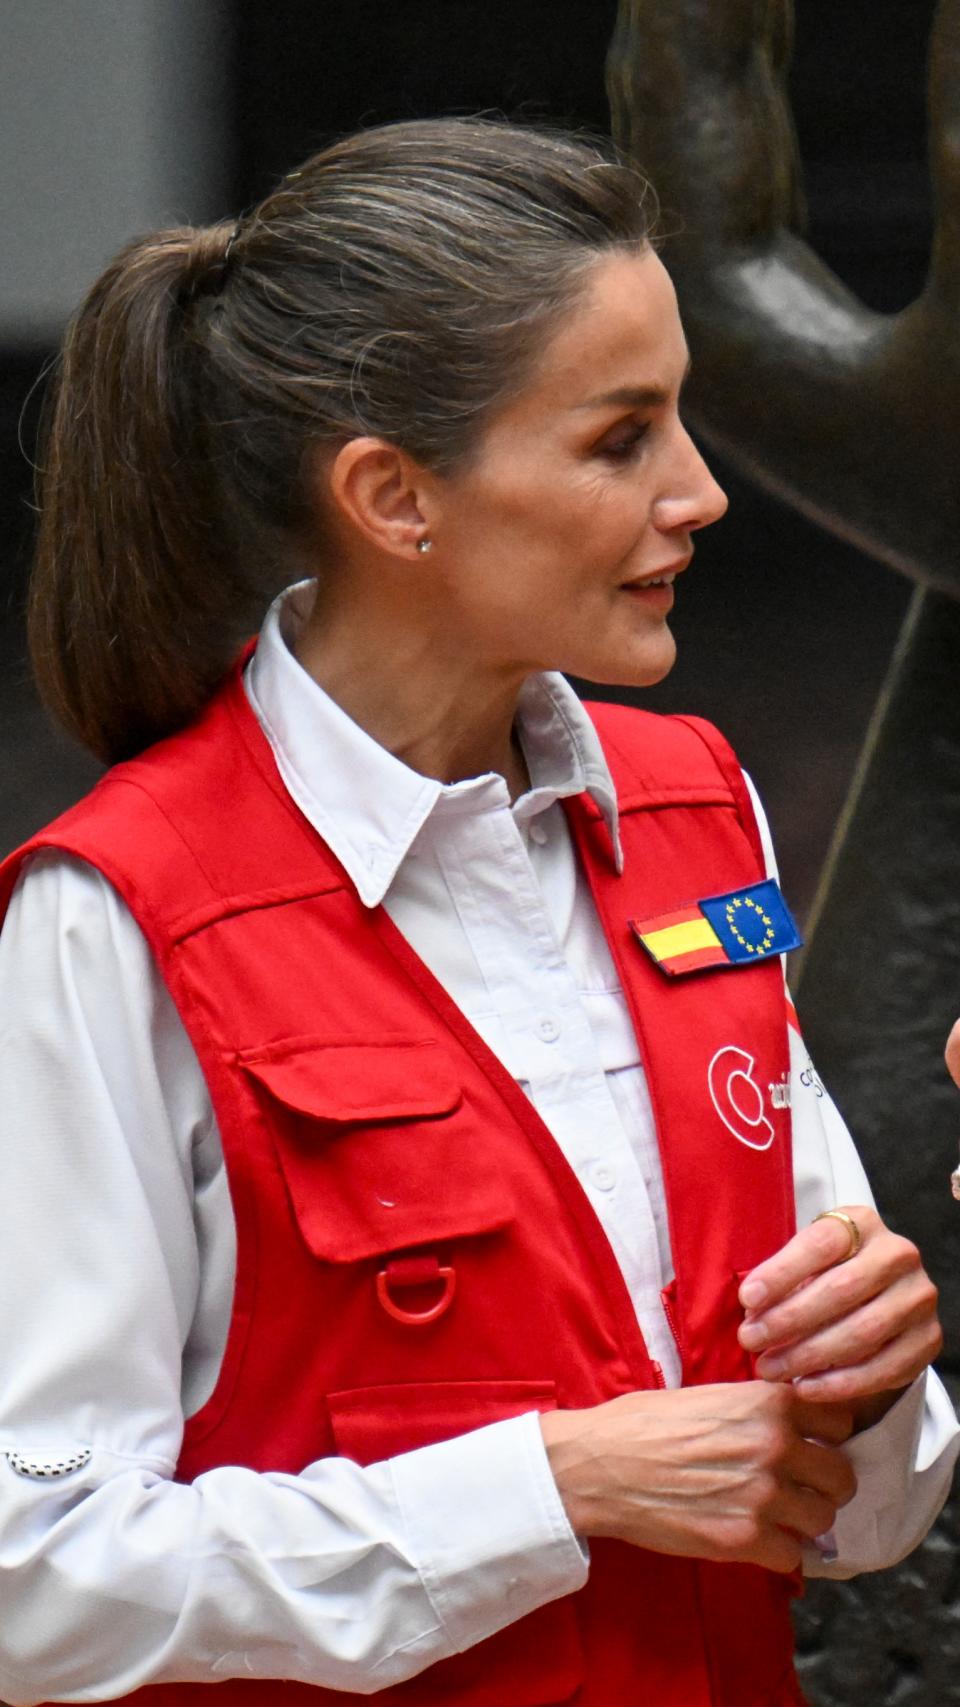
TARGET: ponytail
(400,284)
(138,599)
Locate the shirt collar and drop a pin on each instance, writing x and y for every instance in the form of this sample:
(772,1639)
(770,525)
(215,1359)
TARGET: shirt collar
(369,806)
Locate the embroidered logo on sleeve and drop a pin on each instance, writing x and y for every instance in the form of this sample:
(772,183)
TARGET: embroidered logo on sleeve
(730,930)
(44,1469)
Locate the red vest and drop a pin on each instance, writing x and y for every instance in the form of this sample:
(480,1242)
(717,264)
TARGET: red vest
(392,1184)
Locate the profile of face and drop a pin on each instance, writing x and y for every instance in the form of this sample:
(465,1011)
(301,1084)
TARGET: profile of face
(558,544)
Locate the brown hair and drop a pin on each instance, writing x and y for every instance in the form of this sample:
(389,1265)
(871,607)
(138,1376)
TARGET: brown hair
(400,283)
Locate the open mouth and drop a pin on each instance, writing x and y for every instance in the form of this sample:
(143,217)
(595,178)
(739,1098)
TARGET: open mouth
(654,590)
(660,585)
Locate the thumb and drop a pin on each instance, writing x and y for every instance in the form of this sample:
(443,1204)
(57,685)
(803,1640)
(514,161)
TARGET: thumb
(952,1053)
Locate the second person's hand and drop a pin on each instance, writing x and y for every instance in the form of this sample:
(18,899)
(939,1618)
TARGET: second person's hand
(952,1054)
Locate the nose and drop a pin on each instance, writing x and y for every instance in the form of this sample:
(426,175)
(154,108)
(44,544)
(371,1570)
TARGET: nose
(691,498)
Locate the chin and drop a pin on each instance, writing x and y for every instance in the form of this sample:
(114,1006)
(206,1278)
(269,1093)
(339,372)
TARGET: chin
(631,668)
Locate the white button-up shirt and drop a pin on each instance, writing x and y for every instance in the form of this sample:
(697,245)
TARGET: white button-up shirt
(118,1252)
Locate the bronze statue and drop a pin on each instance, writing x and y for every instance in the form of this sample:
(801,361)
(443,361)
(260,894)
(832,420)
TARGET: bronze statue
(852,417)
(846,413)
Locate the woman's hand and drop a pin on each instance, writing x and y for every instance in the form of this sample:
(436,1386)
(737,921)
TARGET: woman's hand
(855,1332)
(742,1472)
(952,1053)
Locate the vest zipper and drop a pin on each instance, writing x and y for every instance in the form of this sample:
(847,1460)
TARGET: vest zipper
(666,1299)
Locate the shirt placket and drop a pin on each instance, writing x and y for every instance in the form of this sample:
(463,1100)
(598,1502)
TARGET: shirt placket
(550,1047)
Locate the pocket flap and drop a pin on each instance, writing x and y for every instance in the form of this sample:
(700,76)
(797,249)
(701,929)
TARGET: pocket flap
(379,1151)
(536,1662)
(371,1423)
(358,1081)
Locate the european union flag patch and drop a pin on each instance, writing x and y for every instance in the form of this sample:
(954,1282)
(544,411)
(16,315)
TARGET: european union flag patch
(735,929)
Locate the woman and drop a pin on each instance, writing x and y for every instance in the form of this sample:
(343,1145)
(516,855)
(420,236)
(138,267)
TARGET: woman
(333,1137)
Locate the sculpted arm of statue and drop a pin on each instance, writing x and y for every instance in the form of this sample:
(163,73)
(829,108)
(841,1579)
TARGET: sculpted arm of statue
(848,414)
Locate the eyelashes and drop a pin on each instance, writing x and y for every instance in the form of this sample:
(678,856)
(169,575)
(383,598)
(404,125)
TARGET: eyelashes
(626,443)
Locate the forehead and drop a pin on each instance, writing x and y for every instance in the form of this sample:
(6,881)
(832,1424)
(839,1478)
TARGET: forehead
(624,330)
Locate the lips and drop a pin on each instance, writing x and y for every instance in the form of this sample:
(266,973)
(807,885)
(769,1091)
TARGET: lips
(664,577)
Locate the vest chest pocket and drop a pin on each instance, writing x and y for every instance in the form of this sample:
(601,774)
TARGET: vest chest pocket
(381,1154)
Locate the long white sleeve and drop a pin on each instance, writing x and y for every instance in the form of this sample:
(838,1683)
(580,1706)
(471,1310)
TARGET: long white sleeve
(114,1575)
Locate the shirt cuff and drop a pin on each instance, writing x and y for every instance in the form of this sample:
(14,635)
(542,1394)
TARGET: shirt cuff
(490,1535)
(889,1460)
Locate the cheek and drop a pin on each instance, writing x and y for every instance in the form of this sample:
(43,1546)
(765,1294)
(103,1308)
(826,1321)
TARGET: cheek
(558,511)
(614,497)
(533,541)
(587,517)
(538,492)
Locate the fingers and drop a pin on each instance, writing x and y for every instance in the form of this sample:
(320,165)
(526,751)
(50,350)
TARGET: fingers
(827,1335)
(825,1472)
(779,1551)
(805,1513)
(952,1054)
(713,1472)
(808,1484)
(893,1368)
(856,1339)
(849,1331)
(816,1421)
(817,1479)
(815,1249)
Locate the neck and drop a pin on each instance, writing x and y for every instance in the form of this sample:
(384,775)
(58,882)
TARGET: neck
(419,696)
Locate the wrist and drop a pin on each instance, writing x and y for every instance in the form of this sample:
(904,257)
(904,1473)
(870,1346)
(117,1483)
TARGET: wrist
(562,1433)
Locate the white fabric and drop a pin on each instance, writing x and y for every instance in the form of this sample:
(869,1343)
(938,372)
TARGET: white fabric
(117,1246)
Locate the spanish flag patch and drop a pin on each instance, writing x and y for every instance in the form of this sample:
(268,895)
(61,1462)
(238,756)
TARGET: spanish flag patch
(735,929)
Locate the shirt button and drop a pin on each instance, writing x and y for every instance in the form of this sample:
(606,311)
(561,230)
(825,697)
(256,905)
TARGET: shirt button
(604,1178)
(548,1029)
(538,834)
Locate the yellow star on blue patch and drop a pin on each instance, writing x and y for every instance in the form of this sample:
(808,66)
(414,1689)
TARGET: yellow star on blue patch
(752,923)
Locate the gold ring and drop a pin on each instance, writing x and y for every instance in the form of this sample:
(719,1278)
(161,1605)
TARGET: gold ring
(855,1235)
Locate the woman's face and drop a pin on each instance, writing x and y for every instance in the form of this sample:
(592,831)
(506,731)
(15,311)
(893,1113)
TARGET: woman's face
(552,544)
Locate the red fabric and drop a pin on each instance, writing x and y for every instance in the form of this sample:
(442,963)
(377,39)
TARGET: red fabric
(374,1143)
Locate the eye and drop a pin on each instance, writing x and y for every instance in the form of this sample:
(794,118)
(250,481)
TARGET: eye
(625,441)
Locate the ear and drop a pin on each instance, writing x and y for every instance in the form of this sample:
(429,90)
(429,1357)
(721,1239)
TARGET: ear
(382,493)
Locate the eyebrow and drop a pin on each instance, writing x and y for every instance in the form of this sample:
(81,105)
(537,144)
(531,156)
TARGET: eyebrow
(633,396)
